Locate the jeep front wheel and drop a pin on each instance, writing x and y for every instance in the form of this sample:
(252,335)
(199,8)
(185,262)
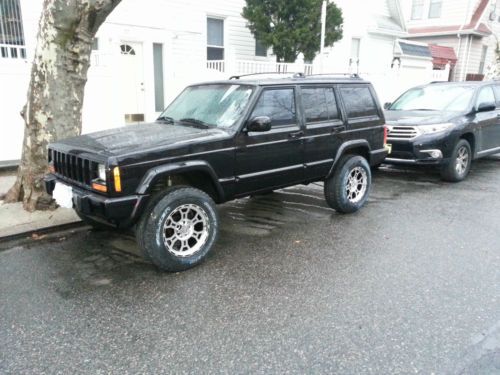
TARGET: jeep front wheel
(179,229)
(347,190)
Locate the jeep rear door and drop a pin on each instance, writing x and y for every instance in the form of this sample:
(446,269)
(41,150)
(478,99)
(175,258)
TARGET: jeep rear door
(324,128)
(265,160)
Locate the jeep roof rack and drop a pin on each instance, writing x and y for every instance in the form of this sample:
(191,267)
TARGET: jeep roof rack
(347,75)
(293,74)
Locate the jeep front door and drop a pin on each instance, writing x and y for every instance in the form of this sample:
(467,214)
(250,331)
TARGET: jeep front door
(274,158)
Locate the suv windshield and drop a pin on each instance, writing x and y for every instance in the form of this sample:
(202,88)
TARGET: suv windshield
(219,105)
(435,98)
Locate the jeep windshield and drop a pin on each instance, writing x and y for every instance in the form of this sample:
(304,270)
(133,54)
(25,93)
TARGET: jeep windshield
(435,98)
(211,105)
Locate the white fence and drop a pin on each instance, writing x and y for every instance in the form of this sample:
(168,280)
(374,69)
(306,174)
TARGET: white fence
(238,67)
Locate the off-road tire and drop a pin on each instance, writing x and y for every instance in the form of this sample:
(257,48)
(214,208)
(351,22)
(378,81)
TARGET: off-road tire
(150,229)
(450,171)
(335,187)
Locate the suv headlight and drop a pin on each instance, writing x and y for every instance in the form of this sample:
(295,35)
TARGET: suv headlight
(434,128)
(101,172)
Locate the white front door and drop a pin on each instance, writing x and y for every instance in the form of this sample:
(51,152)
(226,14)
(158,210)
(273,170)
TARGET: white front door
(132,82)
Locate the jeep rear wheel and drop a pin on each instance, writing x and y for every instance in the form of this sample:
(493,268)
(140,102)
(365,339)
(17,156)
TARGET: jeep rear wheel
(348,189)
(179,229)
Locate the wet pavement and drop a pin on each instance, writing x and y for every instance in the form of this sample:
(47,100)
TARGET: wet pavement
(410,284)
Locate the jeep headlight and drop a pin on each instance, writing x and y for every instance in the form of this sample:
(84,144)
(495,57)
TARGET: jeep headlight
(101,172)
(434,128)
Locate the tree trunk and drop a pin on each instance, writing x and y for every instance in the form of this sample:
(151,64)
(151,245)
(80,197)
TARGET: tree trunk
(55,95)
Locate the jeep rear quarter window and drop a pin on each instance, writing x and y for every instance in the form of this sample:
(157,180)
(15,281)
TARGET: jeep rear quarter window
(278,105)
(319,104)
(358,102)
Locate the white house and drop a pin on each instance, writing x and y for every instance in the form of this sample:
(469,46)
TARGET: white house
(143,56)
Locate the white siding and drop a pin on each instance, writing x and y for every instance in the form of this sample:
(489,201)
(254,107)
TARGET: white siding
(453,12)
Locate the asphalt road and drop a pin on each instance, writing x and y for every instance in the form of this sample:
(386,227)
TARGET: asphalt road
(410,284)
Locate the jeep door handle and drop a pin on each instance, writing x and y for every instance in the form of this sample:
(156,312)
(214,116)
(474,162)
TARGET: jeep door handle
(338,129)
(296,134)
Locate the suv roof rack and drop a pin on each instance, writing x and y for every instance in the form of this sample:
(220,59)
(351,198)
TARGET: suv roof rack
(294,75)
(348,75)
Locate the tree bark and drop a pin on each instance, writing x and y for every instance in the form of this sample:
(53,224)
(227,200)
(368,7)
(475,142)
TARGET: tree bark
(55,94)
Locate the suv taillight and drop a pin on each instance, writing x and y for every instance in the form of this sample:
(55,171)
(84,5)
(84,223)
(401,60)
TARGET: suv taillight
(385,135)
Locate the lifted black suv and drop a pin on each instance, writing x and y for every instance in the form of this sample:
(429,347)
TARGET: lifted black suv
(216,142)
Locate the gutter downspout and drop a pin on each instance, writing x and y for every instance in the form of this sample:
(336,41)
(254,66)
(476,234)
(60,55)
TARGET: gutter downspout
(463,67)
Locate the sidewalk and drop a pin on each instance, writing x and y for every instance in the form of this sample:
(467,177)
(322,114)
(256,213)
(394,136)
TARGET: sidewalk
(15,220)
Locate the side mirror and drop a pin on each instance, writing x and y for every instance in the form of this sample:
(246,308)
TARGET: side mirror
(259,124)
(387,105)
(486,107)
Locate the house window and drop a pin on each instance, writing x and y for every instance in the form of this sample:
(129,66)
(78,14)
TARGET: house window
(483,59)
(417,9)
(435,8)
(215,39)
(260,49)
(11,30)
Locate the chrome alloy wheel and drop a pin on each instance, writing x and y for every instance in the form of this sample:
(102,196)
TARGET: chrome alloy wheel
(185,230)
(462,160)
(356,185)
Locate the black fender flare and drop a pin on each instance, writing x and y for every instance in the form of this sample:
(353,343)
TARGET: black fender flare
(346,146)
(160,171)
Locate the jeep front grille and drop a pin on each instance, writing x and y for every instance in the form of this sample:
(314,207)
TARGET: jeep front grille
(74,168)
(402,132)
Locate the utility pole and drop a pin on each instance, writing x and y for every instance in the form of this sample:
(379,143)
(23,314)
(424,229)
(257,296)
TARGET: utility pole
(323,26)
(323,30)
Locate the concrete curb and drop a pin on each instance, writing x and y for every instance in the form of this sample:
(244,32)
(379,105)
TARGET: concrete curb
(43,231)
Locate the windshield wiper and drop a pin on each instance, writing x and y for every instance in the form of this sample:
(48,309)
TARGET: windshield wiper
(195,121)
(170,120)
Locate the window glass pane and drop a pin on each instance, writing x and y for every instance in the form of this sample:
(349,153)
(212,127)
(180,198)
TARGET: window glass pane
(333,112)
(214,53)
(215,32)
(278,105)
(11,25)
(315,105)
(358,102)
(497,93)
(485,96)
(435,8)
(260,49)
(417,9)
(158,74)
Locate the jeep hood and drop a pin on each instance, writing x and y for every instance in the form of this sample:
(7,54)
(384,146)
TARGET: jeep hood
(131,138)
(416,118)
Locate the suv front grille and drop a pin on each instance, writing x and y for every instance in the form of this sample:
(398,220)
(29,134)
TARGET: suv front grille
(402,132)
(74,168)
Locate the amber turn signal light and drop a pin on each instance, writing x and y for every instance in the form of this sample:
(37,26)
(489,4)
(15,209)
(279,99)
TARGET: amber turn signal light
(118,182)
(99,187)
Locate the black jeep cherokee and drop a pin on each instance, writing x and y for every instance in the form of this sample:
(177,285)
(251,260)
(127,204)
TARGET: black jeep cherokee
(216,142)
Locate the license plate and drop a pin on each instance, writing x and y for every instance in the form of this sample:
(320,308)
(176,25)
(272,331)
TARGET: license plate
(388,147)
(63,195)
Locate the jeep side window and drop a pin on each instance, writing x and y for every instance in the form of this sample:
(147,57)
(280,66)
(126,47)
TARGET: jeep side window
(496,88)
(358,102)
(319,104)
(278,105)
(485,96)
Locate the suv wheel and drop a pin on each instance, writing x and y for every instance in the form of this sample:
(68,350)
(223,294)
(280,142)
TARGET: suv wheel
(458,167)
(348,189)
(178,229)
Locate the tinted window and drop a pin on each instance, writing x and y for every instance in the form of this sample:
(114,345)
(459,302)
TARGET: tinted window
(485,96)
(319,104)
(497,94)
(278,105)
(358,102)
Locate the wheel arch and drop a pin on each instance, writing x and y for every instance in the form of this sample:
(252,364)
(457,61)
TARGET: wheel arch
(469,137)
(356,147)
(197,174)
